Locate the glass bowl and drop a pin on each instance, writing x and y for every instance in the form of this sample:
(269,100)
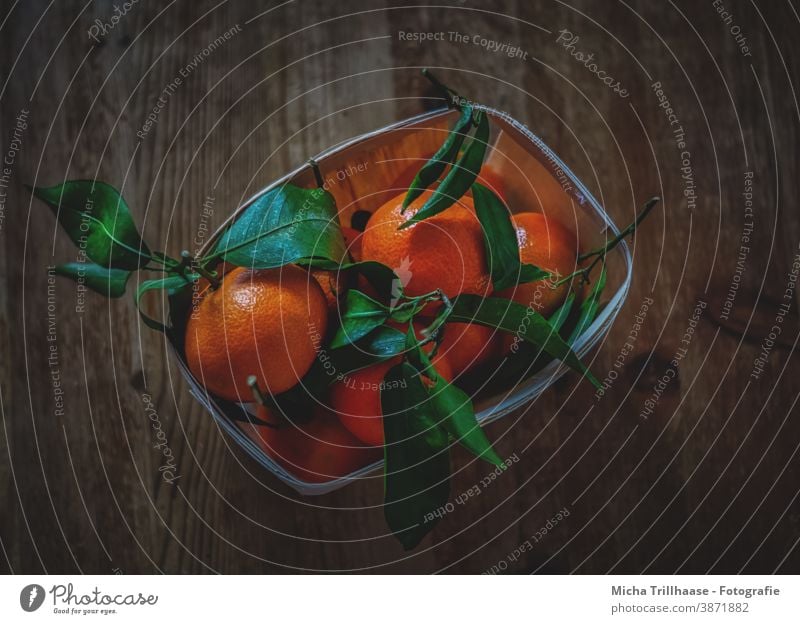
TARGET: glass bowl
(364,172)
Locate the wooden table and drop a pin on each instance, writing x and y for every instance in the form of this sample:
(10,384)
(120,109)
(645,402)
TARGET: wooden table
(707,480)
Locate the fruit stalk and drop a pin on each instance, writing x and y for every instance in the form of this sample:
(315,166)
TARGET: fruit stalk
(600,253)
(188,261)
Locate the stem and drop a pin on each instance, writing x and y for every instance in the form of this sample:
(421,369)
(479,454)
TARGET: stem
(648,206)
(601,252)
(317,173)
(257,394)
(454,100)
(262,402)
(433,328)
(188,261)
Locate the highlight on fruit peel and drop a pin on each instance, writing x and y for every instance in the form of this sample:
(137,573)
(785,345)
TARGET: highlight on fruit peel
(413,304)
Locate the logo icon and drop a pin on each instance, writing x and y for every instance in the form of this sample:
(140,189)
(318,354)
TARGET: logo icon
(31,597)
(404,274)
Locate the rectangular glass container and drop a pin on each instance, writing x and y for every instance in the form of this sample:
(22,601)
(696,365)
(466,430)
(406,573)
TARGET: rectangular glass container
(534,178)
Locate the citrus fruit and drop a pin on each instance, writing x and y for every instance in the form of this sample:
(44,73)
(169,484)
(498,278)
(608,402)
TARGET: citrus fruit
(258,322)
(356,399)
(548,245)
(445,251)
(316,451)
(467,345)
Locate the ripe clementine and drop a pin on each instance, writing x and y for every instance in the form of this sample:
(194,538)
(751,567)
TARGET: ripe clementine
(317,451)
(356,399)
(445,251)
(466,345)
(549,245)
(258,322)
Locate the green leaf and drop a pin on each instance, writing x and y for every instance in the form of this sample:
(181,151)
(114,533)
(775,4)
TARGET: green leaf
(500,240)
(331,365)
(558,317)
(285,225)
(417,357)
(108,282)
(444,156)
(460,177)
(382,279)
(457,414)
(417,469)
(361,315)
(589,307)
(171,283)
(96,218)
(521,320)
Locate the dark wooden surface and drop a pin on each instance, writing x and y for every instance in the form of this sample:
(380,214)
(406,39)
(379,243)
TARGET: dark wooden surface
(708,482)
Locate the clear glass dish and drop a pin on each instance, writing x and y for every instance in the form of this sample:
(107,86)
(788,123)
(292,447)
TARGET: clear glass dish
(384,156)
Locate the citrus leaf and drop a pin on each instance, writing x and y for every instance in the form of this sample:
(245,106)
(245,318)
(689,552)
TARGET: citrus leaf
(444,156)
(589,307)
(521,320)
(331,365)
(460,177)
(96,218)
(558,317)
(457,414)
(500,240)
(417,466)
(361,315)
(171,283)
(108,282)
(285,225)
(380,277)
(452,407)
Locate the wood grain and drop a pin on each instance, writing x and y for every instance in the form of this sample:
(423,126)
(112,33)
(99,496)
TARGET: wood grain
(707,482)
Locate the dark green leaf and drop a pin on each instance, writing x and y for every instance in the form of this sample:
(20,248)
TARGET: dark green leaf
(500,240)
(451,407)
(444,156)
(331,365)
(97,220)
(589,307)
(520,320)
(454,409)
(170,283)
(285,225)
(417,470)
(361,315)
(380,277)
(108,282)
(460,177)
(559,316)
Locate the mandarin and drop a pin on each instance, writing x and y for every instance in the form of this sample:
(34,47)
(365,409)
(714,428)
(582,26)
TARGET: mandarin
(548,245)
(316,451)
(258,322)
(445,251)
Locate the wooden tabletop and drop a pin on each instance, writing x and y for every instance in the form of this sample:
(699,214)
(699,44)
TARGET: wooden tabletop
(687,469)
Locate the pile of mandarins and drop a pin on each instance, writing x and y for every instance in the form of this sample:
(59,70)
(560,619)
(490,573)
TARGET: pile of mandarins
(257,323)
